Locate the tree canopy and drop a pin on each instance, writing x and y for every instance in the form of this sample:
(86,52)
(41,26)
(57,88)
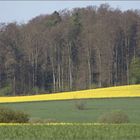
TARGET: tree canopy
(70,50)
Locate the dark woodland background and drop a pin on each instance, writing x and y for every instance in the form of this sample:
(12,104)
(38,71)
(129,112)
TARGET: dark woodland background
(70,50)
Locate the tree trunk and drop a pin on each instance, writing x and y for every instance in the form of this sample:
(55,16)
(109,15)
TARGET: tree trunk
(62,79)
(59,78)
(70,68)
(54,78)
(89,68)
(100,68)
(14,85)
(127,60)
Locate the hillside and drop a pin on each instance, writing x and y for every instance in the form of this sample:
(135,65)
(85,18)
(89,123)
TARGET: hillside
(63,106)
(67,111)
(112,92)
(70,74)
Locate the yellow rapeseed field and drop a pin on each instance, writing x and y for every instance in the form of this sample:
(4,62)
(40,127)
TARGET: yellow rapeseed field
(111,92)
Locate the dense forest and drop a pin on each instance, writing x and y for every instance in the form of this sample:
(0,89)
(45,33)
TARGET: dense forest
(70,50)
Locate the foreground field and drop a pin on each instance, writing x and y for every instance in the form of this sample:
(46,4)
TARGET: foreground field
(111,92)
(70,132)
(66,111)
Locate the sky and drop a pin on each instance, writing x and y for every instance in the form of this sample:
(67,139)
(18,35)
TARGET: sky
(23,11)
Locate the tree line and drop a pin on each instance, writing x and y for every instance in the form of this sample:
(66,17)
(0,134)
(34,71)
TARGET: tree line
(70,50)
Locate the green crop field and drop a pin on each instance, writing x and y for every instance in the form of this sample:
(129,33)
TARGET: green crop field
(70,132)
(66,111)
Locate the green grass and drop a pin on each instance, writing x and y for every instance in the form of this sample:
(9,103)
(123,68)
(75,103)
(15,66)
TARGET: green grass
(70,132)
(65,111)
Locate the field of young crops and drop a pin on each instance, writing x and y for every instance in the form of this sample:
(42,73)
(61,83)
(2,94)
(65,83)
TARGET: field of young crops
(111,92)
(66,111)
(70,132)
